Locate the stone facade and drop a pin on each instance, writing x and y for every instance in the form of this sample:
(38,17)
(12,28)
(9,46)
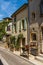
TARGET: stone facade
(8,29)
(36,25)
(21,22)
(20,19)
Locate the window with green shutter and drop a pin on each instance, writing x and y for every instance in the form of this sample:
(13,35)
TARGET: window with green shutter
(41,8)
(15,26)
(24,24)
(19,26)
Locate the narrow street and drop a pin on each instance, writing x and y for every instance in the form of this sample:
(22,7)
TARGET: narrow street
(12,59)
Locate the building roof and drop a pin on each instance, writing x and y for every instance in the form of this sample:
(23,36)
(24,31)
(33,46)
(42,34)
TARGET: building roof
(19,10)
(7,18)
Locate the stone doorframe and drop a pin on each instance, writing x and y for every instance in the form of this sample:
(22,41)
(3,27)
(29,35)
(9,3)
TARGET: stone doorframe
(41,40)
(33,42)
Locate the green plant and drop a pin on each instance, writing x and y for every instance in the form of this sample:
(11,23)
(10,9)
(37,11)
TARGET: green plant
(20,36)
(12,39)
(11,47)
(1,35)
(11,44)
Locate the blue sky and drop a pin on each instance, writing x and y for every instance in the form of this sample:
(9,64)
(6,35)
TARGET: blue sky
(7,7)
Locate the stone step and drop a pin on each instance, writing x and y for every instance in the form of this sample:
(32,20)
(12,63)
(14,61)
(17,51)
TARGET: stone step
(34,61)
(39,58)
(41,55)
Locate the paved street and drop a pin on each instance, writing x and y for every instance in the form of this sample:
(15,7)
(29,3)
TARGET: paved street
(12,59)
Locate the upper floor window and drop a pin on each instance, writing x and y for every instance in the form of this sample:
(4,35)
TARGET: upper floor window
(15,19)
(15,28)
(8,28)
(31,0)
(41,8)
(42,32)
(33,15)
(20,27)
(24,22)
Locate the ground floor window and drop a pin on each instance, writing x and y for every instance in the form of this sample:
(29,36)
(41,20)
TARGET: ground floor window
(33,37)
(23,41)
(42,32)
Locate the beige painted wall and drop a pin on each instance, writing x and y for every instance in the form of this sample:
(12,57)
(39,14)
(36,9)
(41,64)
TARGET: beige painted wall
(22,15)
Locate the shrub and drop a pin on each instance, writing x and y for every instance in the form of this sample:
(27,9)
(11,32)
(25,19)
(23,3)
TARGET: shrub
(12,40)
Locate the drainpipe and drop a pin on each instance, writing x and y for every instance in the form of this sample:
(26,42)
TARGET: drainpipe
(28,31)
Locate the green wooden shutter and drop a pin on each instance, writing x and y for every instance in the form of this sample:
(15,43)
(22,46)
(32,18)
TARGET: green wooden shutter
(20,26)
(16,27)
(25,23)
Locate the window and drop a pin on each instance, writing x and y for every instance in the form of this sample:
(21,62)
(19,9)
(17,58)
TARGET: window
(31,0)
(20,27)
(23,41)
(15,28)
(8,28)
(15,19)
(33,29)
(42,32)
(41,8)
(24,24)
(33,16)
(34,36)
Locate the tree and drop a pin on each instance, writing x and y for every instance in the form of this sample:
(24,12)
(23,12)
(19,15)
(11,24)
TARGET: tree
(12,40)
(3,24)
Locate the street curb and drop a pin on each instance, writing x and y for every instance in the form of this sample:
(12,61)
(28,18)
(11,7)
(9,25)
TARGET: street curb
(24,59)
(3,60)
(19,56)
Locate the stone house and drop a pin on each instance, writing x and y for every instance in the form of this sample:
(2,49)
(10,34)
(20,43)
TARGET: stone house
(20,18)
(20,21)
(36,25)
(8,28)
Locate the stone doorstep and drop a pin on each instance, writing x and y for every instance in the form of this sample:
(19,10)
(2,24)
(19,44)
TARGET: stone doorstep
(35,62)
(39,59)
(31,60)
(41,55)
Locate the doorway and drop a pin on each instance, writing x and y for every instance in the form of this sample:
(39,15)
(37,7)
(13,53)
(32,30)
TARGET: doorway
(42,39)
(33,44)
(23,42)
